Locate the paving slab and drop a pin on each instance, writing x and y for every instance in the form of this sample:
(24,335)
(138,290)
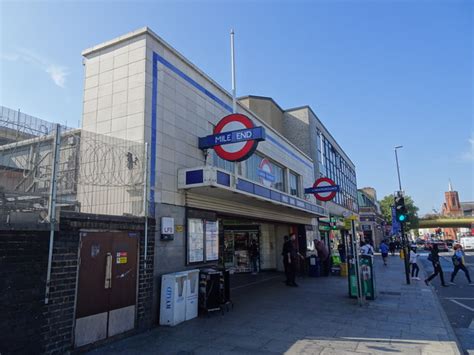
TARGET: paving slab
(316,318)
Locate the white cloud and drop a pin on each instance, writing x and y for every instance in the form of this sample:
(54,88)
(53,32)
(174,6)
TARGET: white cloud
(469,155)
(56,72)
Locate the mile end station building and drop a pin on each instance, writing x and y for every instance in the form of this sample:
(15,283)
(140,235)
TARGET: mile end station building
(137,87)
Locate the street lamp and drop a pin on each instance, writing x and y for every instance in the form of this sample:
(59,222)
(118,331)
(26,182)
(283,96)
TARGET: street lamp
(398,168)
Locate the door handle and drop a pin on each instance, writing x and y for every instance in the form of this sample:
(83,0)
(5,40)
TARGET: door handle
(108,271)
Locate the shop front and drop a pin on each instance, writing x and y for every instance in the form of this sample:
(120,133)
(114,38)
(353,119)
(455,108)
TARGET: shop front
(240,230)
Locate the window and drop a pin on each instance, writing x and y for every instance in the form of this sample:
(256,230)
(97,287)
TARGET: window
(294,184)
(221,163)
(264,171)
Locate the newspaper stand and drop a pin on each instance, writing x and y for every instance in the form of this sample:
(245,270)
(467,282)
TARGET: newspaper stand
(210,290)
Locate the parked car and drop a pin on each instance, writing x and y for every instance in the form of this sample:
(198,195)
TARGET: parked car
(442,246)
(450,243)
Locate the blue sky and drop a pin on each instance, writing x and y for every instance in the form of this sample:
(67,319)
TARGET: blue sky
(377,73)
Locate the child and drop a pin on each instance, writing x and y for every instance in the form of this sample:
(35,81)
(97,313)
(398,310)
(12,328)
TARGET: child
(413,263)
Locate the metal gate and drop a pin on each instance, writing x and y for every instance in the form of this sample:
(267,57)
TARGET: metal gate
(107,285)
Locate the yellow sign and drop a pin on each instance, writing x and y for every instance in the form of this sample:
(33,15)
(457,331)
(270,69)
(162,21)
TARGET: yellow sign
(347,223)
(353,217)
(179,228)
(121,257)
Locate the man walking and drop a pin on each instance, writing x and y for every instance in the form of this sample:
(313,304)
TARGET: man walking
(384,250)
(434,258)
(458,261)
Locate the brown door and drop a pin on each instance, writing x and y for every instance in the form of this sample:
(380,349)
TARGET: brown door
(107,285)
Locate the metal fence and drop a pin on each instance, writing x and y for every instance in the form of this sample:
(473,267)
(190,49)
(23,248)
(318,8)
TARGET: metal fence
(42,164)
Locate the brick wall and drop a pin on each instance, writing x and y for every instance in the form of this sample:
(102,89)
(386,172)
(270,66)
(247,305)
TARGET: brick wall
(23,262)
(27,325)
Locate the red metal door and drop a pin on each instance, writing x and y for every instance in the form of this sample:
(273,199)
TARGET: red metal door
(107,285)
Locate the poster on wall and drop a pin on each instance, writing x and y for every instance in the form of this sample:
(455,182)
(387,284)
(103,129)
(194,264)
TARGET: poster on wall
(195,240)
(212,240)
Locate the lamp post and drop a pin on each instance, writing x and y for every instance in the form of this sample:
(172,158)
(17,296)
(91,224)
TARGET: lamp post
(398,168)
(404,238)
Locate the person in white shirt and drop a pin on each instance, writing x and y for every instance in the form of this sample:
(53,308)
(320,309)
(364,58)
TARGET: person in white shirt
(366,249)
(413,263)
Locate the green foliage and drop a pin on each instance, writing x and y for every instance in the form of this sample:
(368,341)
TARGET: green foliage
(388,201)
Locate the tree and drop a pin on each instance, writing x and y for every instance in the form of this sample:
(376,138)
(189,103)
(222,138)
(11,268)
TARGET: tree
(386,208)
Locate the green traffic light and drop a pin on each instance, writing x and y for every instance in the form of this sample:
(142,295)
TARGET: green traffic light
(402,217)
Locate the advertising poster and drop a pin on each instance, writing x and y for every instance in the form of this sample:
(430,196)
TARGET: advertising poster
(195,240)
(212,241)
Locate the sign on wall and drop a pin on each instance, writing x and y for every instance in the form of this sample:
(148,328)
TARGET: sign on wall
(235,138)
(324,189)
(265,173)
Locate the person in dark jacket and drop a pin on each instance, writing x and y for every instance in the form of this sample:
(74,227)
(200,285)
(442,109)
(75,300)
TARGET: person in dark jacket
(285,253)
(289,260)
(342,251)
(391,246)
(434,258)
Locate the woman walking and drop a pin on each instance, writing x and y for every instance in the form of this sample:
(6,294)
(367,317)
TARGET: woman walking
(434,258)
(413,263)
(458,261)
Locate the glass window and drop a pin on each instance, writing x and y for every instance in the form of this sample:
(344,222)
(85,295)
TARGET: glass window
(221,163)
(265,172)
(294,184)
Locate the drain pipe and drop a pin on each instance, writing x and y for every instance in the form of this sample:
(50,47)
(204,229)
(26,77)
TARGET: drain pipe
(145,205)
(52,207)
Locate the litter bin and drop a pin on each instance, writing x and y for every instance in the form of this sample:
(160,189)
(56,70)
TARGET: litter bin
(173,303)
(313,268)
(192,294)
(367,276)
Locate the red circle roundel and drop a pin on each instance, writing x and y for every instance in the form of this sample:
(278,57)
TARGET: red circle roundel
(235,151)
(324,196)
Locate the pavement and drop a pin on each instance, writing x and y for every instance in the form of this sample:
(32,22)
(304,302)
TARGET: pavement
(317,317)
(456,300)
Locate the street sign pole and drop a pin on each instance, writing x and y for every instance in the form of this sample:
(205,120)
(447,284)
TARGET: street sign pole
(406,252)
(356,263)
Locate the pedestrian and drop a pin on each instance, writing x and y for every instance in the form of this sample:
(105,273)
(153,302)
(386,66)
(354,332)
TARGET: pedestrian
(415,269)
(292,256)
(286,259)
(391,246)
(458,261)
(384,250)
(342,251)
(324,257)
(254,256)
(366,249)
(437,270)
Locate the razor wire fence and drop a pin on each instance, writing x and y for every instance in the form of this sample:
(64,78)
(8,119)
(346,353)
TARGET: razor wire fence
(95,173)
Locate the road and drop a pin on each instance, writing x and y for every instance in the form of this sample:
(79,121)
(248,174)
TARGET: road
(457,300)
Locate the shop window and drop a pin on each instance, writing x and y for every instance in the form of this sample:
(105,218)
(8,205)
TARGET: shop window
(203,240)
(294,184)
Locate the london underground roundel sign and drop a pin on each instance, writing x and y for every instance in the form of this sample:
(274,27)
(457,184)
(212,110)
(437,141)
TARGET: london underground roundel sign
(235,138)
(324,189)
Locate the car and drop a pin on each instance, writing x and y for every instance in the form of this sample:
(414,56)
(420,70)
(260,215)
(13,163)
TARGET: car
(442,246)
(450,242)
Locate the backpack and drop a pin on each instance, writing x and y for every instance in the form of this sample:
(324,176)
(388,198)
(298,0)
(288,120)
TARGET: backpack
(455,260)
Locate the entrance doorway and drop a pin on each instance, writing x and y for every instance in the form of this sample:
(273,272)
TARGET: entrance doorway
(107,285)
(236,246)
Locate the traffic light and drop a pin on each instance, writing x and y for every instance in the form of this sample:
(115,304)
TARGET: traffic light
(400,209)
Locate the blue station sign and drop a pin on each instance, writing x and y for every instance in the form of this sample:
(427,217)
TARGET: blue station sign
(312,190)
(243,135)
(235,138)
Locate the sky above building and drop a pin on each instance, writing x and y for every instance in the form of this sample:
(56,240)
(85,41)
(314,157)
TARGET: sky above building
(377,73)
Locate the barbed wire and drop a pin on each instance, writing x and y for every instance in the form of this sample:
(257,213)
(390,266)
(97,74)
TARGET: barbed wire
(96,173)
